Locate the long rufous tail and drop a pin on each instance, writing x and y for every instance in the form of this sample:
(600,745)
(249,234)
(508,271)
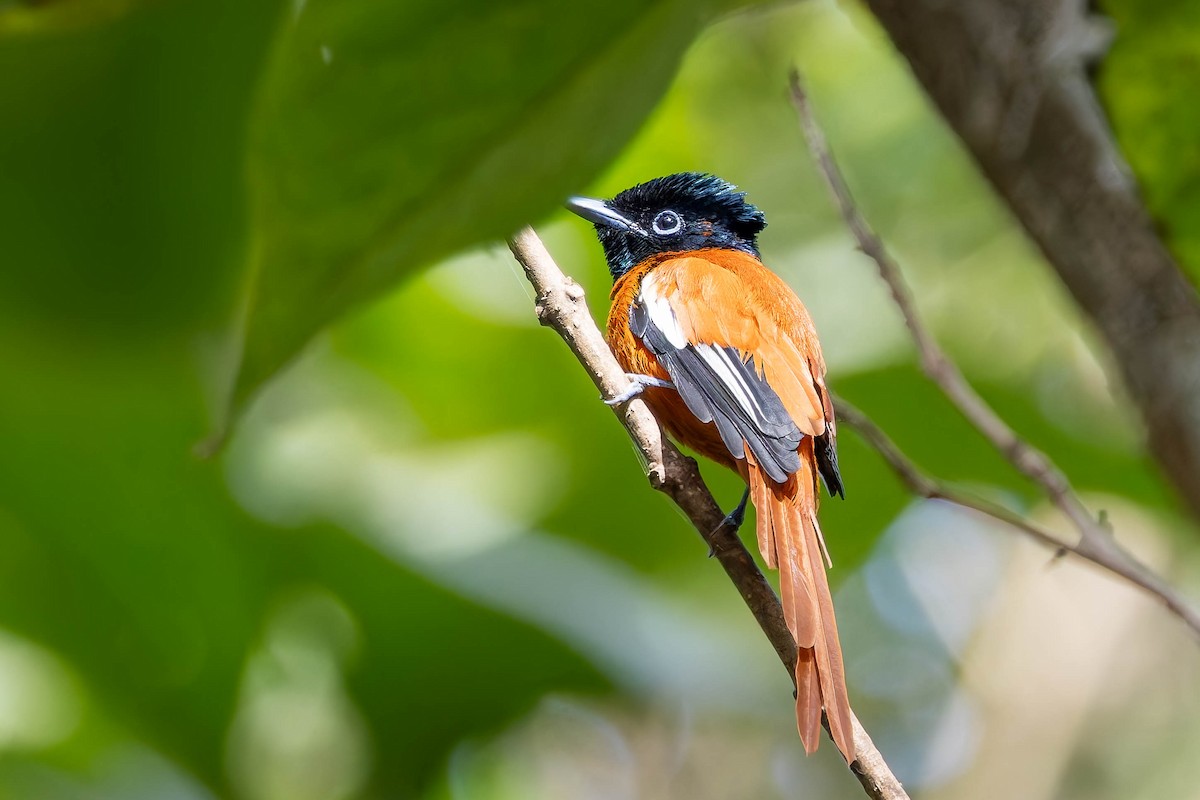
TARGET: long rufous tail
(790,540)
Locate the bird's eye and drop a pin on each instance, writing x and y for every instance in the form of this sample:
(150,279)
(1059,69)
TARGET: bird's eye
(667,222)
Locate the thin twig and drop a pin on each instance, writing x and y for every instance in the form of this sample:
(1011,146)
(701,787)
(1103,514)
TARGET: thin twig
(1096,542)
(561,306)
(923,485)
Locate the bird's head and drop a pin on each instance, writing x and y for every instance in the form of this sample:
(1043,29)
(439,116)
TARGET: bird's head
(676,213)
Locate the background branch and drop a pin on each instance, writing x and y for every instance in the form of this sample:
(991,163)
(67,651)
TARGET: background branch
(1010,79)
(1114,559)
(934,361)
(1096,542)
(561,306)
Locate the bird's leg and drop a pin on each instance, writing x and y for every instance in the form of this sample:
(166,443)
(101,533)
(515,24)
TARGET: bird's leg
(733,520)
(640,382)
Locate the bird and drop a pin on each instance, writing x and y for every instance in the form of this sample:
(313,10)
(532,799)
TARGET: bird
(726,357)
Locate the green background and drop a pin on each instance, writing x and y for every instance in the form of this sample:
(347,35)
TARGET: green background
(425,562)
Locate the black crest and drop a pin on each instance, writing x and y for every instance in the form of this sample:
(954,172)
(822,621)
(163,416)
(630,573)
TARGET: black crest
(704,195)
(675,213)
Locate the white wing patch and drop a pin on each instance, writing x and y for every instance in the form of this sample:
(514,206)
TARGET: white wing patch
(659,310)
(720,361)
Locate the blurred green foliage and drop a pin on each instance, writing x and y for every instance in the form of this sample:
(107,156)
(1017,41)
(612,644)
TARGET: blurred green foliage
(167,167)
(1145,82)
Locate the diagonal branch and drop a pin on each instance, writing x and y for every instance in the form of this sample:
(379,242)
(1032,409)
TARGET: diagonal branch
(561,306)
(1096,542)
(1113,559)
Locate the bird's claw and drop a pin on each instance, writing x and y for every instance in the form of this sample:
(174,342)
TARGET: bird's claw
(637,386)
(624,397)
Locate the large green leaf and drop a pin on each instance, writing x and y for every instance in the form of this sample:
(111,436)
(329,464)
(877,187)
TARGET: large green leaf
(121,165)
(389,135)
(23,17)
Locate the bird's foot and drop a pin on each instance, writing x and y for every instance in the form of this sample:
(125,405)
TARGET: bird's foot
(638,385)
(733,521)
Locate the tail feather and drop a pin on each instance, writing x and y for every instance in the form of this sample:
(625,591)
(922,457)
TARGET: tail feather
(808,698)
(789,536)
(829,655)
(759,494)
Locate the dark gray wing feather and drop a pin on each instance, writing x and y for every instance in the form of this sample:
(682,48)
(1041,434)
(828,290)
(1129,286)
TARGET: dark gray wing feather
(748,415)
(827,463)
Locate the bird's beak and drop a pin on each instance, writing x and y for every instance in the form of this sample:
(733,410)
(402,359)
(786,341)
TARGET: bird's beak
(599,212)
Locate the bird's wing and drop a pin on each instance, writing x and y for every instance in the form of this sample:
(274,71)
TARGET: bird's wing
(740,348)
(825,446)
